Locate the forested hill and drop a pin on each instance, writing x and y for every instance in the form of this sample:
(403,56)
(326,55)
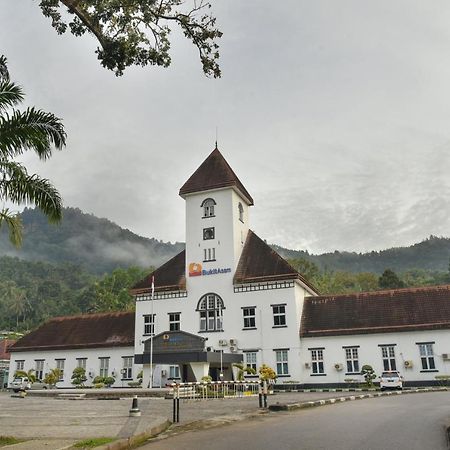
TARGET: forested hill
(98,245)
(431,254)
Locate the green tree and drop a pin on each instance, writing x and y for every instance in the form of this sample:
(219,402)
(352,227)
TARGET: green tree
(369,374)
(390,280)
(53,376)
(136,32)
(31,375)
(16,300)
(34,130)
(305,267)
(79,376)
(242,370)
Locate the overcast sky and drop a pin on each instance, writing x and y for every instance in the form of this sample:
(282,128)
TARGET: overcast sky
(334,115)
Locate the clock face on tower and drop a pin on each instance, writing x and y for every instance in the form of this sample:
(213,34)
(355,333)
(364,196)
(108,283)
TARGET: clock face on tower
(208,233)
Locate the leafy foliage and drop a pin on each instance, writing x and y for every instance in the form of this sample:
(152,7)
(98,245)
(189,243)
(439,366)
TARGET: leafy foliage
(32,292)
(78,376)
(242,370)
(390,280)
(22,131)
(369,374)
(136,32)
(53,376)
(31,375)
(267,373)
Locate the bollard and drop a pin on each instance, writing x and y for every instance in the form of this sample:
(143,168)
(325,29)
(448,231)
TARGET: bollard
(265,393)
(135,411)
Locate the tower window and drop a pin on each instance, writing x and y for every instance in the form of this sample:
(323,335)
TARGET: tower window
(210,307)
(241,212)
(208,233)
(208,207)
(209,254)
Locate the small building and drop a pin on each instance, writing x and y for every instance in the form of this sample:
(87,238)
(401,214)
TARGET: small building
(103,344)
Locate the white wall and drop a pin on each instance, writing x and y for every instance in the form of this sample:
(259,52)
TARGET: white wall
(369,351)
(92,364)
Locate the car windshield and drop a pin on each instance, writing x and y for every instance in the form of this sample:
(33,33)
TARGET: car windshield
(18,380)
(389,374)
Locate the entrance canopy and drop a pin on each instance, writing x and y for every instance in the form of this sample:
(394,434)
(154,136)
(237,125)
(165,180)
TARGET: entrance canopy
(178,347)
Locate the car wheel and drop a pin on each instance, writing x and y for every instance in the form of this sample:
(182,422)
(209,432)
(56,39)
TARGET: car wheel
(15,391)
(45,387)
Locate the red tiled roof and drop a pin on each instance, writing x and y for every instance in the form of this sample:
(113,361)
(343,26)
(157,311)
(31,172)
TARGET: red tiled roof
(4,344)
(259,262)
(377,312)
(115,329)
(214,173)
(168,277)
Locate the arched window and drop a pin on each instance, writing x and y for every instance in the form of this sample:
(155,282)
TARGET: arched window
(241,212)
(210,307)
(208,207)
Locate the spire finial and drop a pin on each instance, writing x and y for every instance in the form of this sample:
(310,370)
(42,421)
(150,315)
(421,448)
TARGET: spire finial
(216,138)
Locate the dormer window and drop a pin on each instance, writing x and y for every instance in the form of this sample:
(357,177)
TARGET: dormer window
(208,207)
(241,212)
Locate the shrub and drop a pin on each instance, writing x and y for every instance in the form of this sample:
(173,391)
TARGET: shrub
(369,374)
(78,376)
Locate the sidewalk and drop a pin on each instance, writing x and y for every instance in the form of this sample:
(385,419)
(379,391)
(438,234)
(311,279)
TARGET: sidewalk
(54,424)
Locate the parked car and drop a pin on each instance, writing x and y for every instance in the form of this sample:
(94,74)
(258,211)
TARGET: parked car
(20,384)
(23,384)
(391,380)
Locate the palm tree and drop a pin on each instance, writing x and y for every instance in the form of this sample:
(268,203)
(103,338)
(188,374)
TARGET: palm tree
(22,131)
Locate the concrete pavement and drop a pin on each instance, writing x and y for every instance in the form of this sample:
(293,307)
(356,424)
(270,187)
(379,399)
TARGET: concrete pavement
(54,423)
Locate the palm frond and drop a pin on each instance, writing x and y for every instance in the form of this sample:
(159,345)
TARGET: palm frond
(4,74)
(10,94)
(23,188)
(14,224)
(30,130)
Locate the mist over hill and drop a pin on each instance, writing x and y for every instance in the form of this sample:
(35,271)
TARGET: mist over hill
(99,246)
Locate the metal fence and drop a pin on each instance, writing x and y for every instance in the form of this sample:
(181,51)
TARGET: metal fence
(214,390)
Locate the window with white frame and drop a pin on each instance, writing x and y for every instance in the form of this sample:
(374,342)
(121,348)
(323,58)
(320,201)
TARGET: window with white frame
(60,363)
(81,362)
(279,315)
(351,356)
(39,368)
(127,367)
(427,355)
(281,359)
(210,307)
(249,314)
(174,321)
(388,357)
(104,367)
(241,212)
(251,360)
(208,207)
(20,364)
(149,324)
(317,366)
(209,254)
(174,371)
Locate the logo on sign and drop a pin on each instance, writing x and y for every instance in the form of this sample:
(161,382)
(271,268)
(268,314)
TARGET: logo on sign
(195,269)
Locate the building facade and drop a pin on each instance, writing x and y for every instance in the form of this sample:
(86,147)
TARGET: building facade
(229,298)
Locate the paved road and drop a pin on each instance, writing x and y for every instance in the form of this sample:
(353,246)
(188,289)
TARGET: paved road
(413,422)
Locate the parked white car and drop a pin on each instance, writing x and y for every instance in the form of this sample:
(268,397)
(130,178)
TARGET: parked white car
(23,384)
(391,380)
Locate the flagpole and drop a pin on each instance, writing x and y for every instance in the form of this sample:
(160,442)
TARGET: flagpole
(152,333)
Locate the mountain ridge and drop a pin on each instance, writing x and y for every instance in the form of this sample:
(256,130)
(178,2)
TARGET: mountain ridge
(99,245)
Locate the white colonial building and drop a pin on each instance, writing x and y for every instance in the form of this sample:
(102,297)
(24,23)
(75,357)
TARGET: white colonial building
(228,297)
